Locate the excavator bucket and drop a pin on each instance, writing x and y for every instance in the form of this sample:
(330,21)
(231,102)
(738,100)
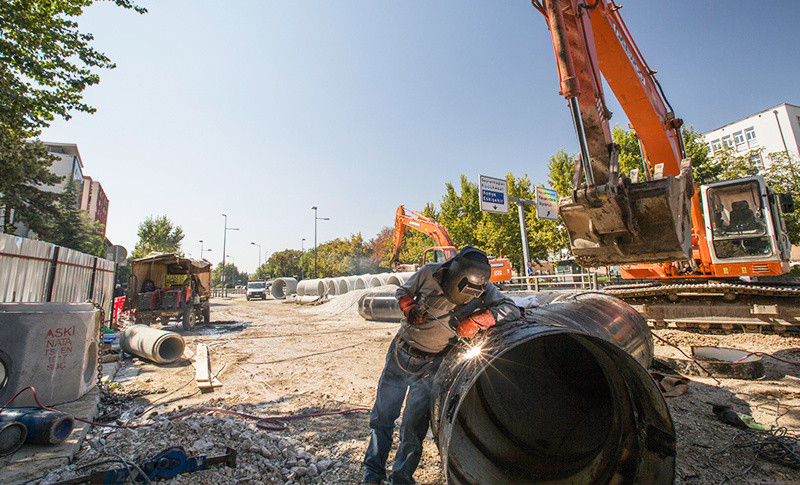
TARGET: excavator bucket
(647,222)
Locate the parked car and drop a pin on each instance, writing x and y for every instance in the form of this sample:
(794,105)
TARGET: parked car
(256,289)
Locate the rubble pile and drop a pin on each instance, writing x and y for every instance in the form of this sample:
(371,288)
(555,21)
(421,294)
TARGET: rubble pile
(263,457)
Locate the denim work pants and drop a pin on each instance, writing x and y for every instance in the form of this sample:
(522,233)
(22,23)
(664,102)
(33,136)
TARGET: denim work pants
(395,381)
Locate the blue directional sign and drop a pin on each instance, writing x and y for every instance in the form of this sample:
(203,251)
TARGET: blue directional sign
(493,195)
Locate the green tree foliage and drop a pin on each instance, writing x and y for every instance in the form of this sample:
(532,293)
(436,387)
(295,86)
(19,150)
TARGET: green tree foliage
(630,156)
(783,176)
(232,276)
(74,228)
(343,257)
(158,234)
(24,174)
(284,263)
(561,168)
(45,65)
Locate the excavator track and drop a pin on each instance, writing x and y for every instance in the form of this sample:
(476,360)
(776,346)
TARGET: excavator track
(717,306)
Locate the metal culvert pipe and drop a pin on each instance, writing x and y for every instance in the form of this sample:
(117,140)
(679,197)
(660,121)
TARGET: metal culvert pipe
(380,307)
(44,427)
(560,397)
(282,287)
(158,346)
(12,437)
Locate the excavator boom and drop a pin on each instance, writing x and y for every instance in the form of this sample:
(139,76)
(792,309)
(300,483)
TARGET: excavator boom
(609,219)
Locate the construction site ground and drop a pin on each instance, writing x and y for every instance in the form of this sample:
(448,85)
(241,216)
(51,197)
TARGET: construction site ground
(275,358)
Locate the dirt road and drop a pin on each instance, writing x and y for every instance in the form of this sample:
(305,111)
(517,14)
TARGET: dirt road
(279,359)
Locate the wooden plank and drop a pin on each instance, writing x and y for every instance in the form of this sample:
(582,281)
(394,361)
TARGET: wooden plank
(202,364)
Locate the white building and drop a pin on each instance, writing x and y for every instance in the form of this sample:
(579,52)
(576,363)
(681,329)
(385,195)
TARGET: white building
(776,129)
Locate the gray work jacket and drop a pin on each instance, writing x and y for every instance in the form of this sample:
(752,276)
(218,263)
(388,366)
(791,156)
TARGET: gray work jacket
(431,336)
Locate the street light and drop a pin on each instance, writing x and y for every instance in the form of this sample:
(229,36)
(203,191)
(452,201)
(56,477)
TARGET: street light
(224,241)
(301,255)
(202,250)
(259,254)
(315,237)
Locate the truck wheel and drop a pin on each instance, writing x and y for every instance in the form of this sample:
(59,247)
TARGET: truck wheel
(189,318)
(206,315)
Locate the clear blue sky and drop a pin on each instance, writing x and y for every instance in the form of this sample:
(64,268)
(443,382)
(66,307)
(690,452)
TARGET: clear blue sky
(263,109)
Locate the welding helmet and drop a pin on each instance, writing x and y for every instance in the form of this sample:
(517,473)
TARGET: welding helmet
(465,276)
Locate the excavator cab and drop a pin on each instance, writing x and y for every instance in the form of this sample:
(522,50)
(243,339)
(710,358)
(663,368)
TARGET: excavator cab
(744,222)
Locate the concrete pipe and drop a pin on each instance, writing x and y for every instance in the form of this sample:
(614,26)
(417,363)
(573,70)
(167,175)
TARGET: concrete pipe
(376,280)
(330,286)
(300,290)
(307,299)
(351,282)
(282,287)
(398,278)
(341,286)
(379,307)
(560,397)
(158,346)
(362,282)
(315,287)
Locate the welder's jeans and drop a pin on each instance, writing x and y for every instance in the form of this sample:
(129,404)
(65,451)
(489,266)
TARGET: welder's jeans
(394,382)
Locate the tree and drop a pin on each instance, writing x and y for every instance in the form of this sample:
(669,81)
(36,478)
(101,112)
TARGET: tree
(24,175)
(285,263)
(343,257)
(783,176)
(232,275)
(73,228)
(45,65)
(158,234)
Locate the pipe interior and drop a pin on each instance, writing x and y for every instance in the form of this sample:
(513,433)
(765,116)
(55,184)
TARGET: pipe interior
(543,412)
(170,349)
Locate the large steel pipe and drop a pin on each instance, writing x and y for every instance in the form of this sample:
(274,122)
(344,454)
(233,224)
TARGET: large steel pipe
(380,307)
(282,287)
(560,397)
(155,345)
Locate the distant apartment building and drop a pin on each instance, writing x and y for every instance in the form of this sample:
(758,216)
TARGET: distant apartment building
(94,201)
(68,164)
(776,129)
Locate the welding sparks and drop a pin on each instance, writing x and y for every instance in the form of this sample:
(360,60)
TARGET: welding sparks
(473,352)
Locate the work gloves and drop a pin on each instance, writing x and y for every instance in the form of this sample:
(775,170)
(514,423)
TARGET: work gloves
(471,324)
(413,313)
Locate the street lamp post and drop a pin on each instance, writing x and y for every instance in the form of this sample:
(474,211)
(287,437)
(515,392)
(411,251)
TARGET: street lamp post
(259,254)
(302,251)
(202,251)
(315,237)
(224,241)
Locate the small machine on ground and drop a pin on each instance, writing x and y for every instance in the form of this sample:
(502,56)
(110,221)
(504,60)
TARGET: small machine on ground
(166,286)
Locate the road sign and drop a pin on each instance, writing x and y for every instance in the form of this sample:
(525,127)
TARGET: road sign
(546,204)
(494,195)
(118,254)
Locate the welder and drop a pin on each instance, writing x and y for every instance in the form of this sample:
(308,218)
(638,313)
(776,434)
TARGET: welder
(441,303)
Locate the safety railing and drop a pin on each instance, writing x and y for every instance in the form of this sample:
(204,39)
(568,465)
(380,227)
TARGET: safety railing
(221,293)
(552,282)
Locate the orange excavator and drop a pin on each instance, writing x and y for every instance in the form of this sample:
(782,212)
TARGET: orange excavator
(694,244)
(445,247)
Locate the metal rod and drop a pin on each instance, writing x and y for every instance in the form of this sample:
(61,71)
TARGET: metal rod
(584,145)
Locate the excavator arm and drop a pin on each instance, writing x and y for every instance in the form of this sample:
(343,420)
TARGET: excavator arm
(611,219)
(422,224)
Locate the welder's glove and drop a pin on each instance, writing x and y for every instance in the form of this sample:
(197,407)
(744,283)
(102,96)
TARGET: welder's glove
(413,313)
(471,324)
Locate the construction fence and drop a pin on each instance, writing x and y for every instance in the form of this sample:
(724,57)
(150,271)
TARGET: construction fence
(34,271)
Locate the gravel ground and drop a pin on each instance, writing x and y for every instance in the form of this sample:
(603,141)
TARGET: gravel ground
(279,359)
